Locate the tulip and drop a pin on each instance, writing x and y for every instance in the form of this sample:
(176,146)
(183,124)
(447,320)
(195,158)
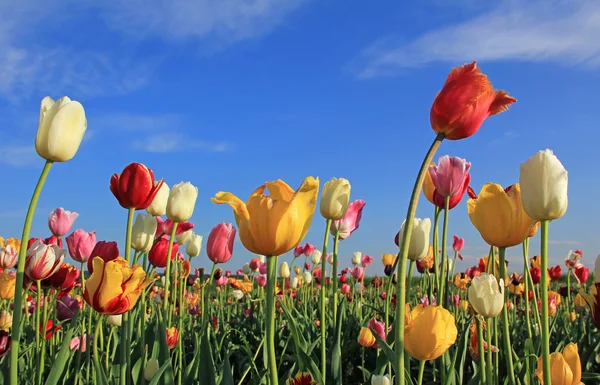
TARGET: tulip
(172,337)
(536,261)
(307,277)
(160,250)
(345,289)
(356,259)
(294,282)
(536,275)
(60,221)
(181,202)
(6,320)
(316,257)
(143,231)
(219,247)
(581,273)
(573,258)
(380,380)
(246,269)
(43,260)
(335,198)
(565,367)
(66,307)
(65,277)
(463,305)
(61,129)
(261,280)
(8,257)
(80,244)
(237,294)
(555,272)
(429,331)
(152,366)
(357,272)
(458,244)
(284,270)
(194,245)
(273,225)
(108,251)
(158,207)
(134,188)
(350,222)
(366,338)
(593,301)
(309,249)
(579,301)
(498,215)
(114,287)
(449,175)
(486,297)
(7,286)
(544,183)
(4,342)
(419,240)
(465,101)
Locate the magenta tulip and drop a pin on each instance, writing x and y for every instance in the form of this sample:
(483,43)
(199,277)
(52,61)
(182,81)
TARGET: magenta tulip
(449,175)
(350,222)
(219,247)
(80,244)
(458,244)
(60,221)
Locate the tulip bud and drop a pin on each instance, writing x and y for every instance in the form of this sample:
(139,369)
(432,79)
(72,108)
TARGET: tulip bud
(184,237)
(419,239)
(261,258)
(246,269)
(80,244)
(181,202)
(330,258)
(194,245)
(151,368)
(366,338)
(160,250)
(115,320)
(449,175)
(158,207)
(316,257)
(486,296)
(335,198)
(356,259)
(5,320)
(380,380)
(108,251)
(7,285)
(294,282)
(60,221)
(61,129)
(143,231)
(219,246)
(297,270)
(284,270)
(388,270)
(307,277)
(544,182)
(237,294)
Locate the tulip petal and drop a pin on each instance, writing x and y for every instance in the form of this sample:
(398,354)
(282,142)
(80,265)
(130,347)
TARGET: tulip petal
(280,190)
(571,355)
(239,208)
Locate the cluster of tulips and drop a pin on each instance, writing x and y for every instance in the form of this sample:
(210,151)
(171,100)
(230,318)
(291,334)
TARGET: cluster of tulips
(143,317)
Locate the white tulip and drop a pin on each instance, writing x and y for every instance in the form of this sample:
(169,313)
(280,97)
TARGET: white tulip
(142,235)
(357,258)
(330,259)
(316,257)
(237,294)
(294,282)
(8,257)
(358,287)
(184,237)
(284,270)
(380,380)
(61,129)
(486,296)
(181,202)
(157,299)
(246,269)
(261,258)
(335,198)
(151,368)
(419,239)
(307,277)
(158,207)
(115,320)
(194,245)
(544,182)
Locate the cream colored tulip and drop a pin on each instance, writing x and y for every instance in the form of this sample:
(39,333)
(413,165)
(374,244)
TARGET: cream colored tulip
(380,380)
(307,277)
(418,246)
(294,282)
(61,129)
(544,183)
(316,257)
(335,198)
(152,366)
(194,245)
(357,258)
(181,202)
(144,229)
(158,207)
(184,237)
(246,269)
(115,320)
(486,296)
(284,270)
(237,294)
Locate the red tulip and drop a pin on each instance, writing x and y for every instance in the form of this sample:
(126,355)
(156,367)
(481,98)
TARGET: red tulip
(298,251)
(108,251)
(4,342)
(134,188)
(159,251)
(172,337)
(219,246)
(465,101)
(581,273)
(53,240)
(166,227)
(65,277)
(536,275)
(555,272)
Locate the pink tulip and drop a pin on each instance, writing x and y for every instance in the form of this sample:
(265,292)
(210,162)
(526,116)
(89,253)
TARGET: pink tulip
(261,280)
(228,273)
(449,175)
(239,273)
(166,227)
(309,249)
(357,272)
(456,299)
(366,260)
(317,272)
(345,289)
(350,222)
(60,221)
(262,268)
(43,260)
(78,343)
(298,251)
(8,257)
(220,243)
(80,244)
(222,281)
(379,328)
(458,244)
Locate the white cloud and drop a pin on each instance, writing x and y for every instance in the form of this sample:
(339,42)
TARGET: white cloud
(566,243)
(163,143)
(137,122)
(19,155)
(564,31)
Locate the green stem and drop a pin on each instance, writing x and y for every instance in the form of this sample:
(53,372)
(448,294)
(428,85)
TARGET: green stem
(181,331)
(544,299)
(323,315)
(205,294)
(443,281)
(166,301)
(334,278)
(43,347)
(110,335)
(451,277)
(125,340)
(421,370)
(16,330)
(403,256)
(411,268)
(526,284)
(270,320)
(535,307)
(481,350)
(489,365)
(41,329)
(505,324)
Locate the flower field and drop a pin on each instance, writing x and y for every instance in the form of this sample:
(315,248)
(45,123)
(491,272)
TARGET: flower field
(139,313)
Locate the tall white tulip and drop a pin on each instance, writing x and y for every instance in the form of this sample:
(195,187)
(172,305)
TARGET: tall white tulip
(194,245)
(181,202)
(61,129)
(307,277)
(316,257)
(294,282)
(284,270)
(142,235)
(335,198)
(158,207)
(544,181)
(246,269)
(419,239)
(357,258)
(486,296)
(115,320)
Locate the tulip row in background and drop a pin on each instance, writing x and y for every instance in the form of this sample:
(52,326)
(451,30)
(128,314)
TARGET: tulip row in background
(136,314)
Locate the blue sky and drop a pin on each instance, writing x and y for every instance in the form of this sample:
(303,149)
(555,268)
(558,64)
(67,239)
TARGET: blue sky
(229,94)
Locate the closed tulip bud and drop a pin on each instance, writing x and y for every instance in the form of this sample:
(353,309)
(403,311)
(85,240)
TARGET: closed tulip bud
(43,260)
(60,221)
(350,222)
(335,198)
(61,129)
(544,183)
(284,270)
(294,282)
(158,207)
(115,320)
(297,270)
(237,294)
(143,231)
(194,245)
(419,239)
(134,188)
(151,368)
(80,244)
(181,202)
(5,320)
(458,244)
(246,269)
(486,296)
(380,380)
(307,277)
(8,257)
(219,246)
(357,258)
(184,237)
(160,250)
(449,175)
(316,257)
(358,287)
(433,324)
(366,338)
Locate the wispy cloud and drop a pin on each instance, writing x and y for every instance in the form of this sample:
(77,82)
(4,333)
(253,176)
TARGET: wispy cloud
(504,137)
(563,31)
(565,243)
(13,214)
(19,155)
(137,122)
(175,142)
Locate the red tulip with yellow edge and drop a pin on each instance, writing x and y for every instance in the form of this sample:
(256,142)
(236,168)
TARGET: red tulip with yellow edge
(301,379)
(172,337)
(273,224)
(565,367)
(114,287)
(429,331)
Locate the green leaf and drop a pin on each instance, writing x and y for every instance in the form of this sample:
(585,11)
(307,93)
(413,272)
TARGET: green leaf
(387,349)
(158,375)
(227,373)
(192,369)
(207,363)
(164,354)
(336,354)
(61,359)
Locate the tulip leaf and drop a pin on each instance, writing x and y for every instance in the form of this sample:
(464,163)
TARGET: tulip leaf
(192,368)
(462,344)
(336,352)
(207,363)
(61,359)
(158,375)
(387,349)
(227,373)
(164,354)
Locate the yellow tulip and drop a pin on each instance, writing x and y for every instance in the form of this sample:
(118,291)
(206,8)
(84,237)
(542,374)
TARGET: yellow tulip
(366,338)
(273,225)
(6,320)
(516,289)
(429,332)
(499,216)
(428,186)
(7,286)
(388,259)
(565,367)
(1,241)
(552,295)
(579,301)
(463,305)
